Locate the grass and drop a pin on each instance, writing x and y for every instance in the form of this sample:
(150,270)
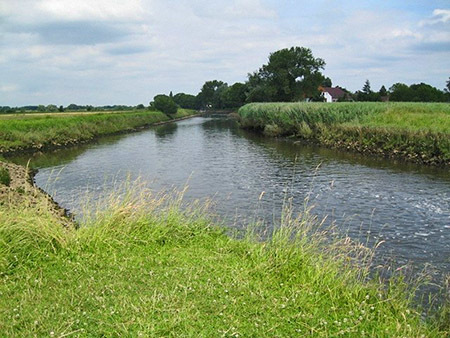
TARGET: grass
(146,264)
(415,131)
(5,178)
(56,130)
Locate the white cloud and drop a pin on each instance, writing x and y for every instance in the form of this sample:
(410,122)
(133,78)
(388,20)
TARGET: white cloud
(93,10)
(105,47)
(249,9)
(8,88)
(439,16)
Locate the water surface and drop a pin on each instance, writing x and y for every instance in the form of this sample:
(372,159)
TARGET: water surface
(406,205)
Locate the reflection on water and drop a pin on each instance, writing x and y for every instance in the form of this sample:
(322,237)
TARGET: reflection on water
(405,205)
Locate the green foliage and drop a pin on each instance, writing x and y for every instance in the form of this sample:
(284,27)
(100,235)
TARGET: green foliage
(416,93)
(5,178)
(327,82)
(185,100)
(366,88)
(141,265)
(51,108)
(235,95)
(164,104)
(383,92)
(366,94)
(212,94)
(291,74)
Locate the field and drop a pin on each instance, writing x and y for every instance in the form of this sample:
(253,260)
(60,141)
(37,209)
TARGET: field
(415,131)
(41,131)
(146,264)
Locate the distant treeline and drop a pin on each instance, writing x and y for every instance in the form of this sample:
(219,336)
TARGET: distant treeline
(400,92)
(291,75)
(70,108)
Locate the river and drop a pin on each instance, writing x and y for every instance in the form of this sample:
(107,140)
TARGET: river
(371,199)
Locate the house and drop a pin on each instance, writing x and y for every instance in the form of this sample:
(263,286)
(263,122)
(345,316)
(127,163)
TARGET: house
(331,94)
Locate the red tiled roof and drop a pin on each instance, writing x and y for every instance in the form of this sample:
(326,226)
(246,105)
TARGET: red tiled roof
(334,92)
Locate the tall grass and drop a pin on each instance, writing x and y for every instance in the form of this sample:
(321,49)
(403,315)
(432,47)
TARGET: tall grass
(416,131)
(148,264)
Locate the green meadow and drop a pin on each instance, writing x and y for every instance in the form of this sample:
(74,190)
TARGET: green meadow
(142,264)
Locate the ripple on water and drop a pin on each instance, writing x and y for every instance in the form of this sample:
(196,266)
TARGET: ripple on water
(367,198)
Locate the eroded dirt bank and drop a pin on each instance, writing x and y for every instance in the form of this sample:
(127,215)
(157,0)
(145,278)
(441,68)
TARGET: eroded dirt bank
(22,191)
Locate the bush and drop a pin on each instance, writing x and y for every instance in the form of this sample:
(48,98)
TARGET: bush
(5,178)
(165,104)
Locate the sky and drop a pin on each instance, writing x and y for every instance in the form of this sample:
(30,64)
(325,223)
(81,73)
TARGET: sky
(103,52)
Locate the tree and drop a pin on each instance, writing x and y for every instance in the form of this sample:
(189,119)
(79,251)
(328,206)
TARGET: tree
(383,91)
(291,74)
(235,95)
(187,101)
(140,106)
(165,104)
(421,92)
(211,94)
(447,90)
(366,88)
(51,108)
(400,92)
(258,89)
(73,106)
(327,82)
(366,94)
(61,109)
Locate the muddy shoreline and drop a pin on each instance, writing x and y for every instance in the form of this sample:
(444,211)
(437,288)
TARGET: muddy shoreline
(22,191)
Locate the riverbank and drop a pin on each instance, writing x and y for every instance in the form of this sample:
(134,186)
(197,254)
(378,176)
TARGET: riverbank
(147,264)
(19,189)
(415,132)
(51,131)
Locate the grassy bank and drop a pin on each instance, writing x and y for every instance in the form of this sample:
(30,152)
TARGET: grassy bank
(415,131)
(43,131)
(142,265)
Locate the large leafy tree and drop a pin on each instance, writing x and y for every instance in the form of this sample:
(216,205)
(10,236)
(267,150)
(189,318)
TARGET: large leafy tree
(212,94)
(291,74)
(185,100)
(235,96)
(165,104)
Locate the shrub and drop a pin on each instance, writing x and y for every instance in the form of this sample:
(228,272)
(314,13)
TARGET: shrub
(165,104)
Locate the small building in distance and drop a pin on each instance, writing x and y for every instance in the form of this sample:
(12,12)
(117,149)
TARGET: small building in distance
(333,94)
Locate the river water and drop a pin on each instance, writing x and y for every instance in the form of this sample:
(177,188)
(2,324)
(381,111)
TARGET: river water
(407,206)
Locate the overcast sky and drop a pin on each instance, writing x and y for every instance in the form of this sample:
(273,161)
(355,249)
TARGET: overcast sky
(125,52)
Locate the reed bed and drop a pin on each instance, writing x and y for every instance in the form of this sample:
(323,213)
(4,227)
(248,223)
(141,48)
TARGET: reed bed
(414,131)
